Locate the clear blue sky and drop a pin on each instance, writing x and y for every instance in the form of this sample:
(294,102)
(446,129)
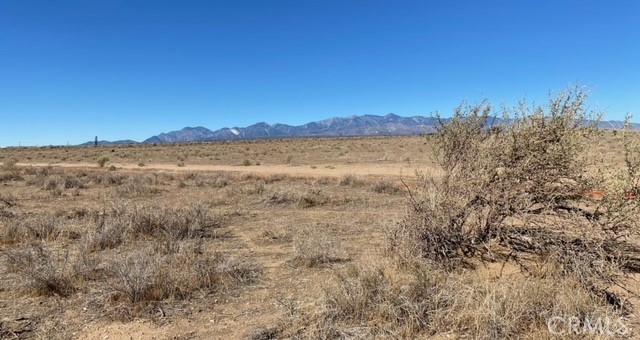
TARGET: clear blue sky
(70,70)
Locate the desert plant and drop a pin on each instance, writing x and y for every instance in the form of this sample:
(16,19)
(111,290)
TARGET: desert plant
(102,161)
(136,186)
(314,247)
(385,186)
(107,235)
(224,272)
(221,180)
(427,301)
(10,164)
(44,228)
(631,157)
(134,276)
(9,171)
(351,180)
(282,197)
(514,187)
(41,271)
(133,221)
(8,200)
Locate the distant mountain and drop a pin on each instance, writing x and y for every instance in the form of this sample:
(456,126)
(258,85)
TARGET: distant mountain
(188,134)
(106,142)
(366,125)
(616,125)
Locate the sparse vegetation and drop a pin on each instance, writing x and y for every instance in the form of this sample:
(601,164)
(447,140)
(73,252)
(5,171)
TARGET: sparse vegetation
(385,186)
(306,252)
(351,180)
(314,247)
(41,271)
(102,161)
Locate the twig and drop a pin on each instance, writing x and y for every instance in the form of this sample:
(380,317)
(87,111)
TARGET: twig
(411,198)
(7,202)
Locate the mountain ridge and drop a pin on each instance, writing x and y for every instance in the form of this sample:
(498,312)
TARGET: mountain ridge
(364,125)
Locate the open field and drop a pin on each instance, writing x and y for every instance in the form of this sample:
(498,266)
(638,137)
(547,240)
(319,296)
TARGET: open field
(253,239)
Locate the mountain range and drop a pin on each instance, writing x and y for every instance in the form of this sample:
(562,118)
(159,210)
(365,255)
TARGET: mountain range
(366,125)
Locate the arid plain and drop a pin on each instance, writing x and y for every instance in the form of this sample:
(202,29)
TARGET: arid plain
(245,239)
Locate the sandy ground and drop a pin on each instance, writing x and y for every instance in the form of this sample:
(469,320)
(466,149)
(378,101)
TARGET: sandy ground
(321,170)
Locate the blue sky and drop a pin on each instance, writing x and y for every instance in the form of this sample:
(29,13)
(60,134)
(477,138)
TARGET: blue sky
(70,70)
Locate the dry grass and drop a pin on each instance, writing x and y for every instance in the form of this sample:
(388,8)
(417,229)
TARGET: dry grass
(369,302)
(385,186)
(297,250)
(306,152)
(314,247)
(41,271)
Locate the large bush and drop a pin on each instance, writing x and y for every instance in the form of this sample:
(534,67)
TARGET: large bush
(515,188)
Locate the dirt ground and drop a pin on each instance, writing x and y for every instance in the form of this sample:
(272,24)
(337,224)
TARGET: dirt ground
(258,226)
(269,197)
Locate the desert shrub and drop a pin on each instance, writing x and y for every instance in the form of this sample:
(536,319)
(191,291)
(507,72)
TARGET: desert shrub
(9,164)
(10,172)
(221,180)
(8,176)
(314,247)
(110,179)
(265,333)
(87,264)
(282,197)
(631,178)
(13,232)
(107,235)
(41,271)
(125,220)
(8,200)
(137,186)
(224,272)
(44,228)
(510,189)
(313,197)
(255,188)
(134,276)
(385,186)
(102,161)
(62,182)
(273,236)
(425,301)
(144,276)
(38,175)
(40,228)
(50,183)
(70,182)
(6,212)
(351,180)
(275,178)
(325,180)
